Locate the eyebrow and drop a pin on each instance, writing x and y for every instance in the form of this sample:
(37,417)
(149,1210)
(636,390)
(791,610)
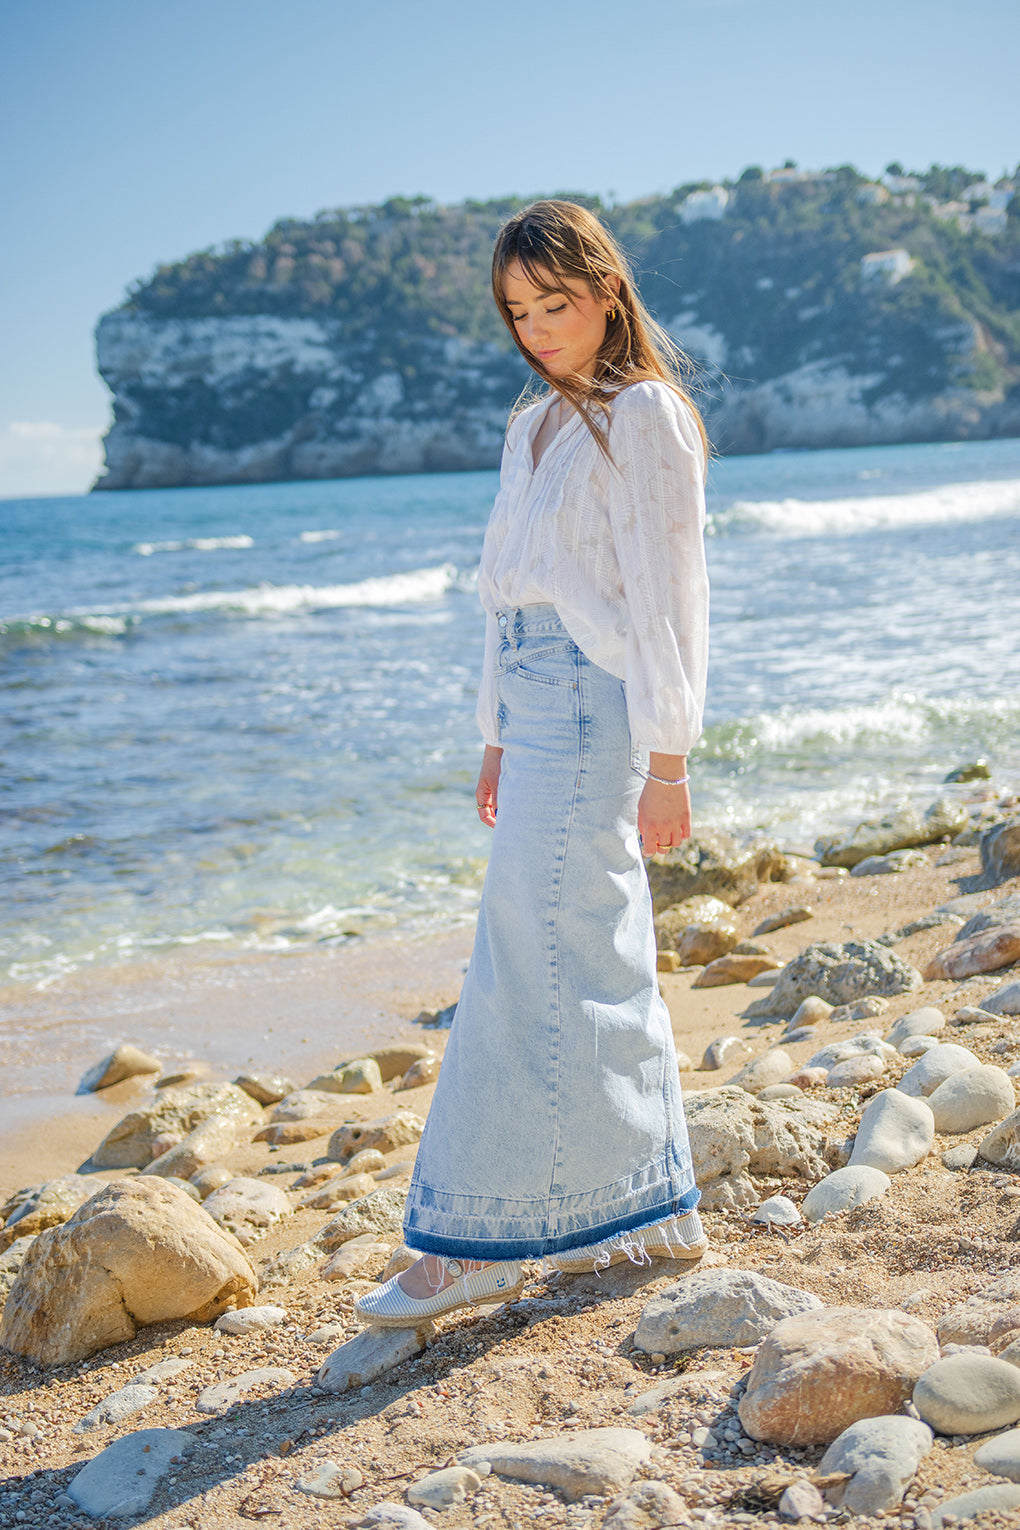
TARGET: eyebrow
(546,292)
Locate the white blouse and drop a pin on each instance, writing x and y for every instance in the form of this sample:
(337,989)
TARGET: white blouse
(617,547)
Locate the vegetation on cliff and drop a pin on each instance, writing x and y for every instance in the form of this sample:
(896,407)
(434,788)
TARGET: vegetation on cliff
(777,278)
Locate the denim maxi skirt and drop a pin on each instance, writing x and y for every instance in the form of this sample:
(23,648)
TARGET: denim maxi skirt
(557,1119)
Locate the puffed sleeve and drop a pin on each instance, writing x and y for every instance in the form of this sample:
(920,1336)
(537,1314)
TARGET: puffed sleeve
(487,708)
(656,502)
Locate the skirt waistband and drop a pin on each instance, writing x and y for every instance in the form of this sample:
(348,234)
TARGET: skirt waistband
(517,622)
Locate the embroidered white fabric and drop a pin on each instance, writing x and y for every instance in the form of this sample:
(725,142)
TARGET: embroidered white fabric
(617,547)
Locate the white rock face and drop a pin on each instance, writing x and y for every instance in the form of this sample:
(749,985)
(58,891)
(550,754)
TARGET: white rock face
(895,1132)
(1001,1455)
(843,1190)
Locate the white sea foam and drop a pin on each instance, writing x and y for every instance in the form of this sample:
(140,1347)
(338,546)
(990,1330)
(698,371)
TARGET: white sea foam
(281,599)
(321,536)
(193,544)
(867,512)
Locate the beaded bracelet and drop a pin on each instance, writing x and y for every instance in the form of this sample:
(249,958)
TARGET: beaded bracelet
(680,781)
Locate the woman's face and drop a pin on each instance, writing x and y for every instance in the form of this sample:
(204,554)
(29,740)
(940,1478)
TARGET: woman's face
(561,327)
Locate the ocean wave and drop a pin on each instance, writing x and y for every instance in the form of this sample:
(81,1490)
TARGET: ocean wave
(31,631)
(412,588)
(904,719)
(193,544)
(868,512)
(321,536)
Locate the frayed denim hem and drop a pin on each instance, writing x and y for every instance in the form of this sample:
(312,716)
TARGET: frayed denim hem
(538,1246)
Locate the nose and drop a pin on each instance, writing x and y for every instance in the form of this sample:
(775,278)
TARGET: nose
(534,332)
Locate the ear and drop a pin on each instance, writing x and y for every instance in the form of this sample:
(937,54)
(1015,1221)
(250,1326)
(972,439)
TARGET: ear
(613,283)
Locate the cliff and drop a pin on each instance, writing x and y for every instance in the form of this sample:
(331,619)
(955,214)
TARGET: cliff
(819,310)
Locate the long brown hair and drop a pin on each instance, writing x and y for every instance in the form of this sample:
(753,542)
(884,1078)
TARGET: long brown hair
(562,243)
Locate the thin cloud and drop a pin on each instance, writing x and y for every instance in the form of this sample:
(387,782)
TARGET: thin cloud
(42,457)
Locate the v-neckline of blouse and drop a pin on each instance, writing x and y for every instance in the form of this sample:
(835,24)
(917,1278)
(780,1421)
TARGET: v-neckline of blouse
(555,439)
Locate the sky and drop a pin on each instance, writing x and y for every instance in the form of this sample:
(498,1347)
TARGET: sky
(134,133)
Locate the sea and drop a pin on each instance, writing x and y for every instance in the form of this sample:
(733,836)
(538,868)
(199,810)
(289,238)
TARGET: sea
(243,718)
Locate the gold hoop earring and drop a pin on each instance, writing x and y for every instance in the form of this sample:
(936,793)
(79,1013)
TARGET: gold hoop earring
(611,315)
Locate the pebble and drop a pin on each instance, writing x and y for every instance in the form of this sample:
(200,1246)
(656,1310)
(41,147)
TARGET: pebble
(165,1370)
(266,1088)
(646,1506)
(246,1320)
(973,1014)
(444,1489)
(122,1480)
(886,865)
(811,1011)
(125,1062)
(1001,1455)
(919,1022)
(596,1461)
(777,1211)
(715,1308)
(218,1398)
(968,1393)
(370,1354)
(882,1456)
(969,1505)
(853,1071)
(796,914)
(916,1046)
(1002,1144)
(365,1162)
(724,1050)
(867,1044)
(1004,1001)
(330,1480)
(780,1092)
(802,1500)
(937,1064)
(843,1190)
(773,1067)
(862,1009)
(119,1405)
(960,1158)
(975,1097)
(356,1259)
(393,1516)
(894,1132)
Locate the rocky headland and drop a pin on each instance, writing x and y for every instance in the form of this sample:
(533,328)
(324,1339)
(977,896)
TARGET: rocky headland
(178,1341)
(819,309)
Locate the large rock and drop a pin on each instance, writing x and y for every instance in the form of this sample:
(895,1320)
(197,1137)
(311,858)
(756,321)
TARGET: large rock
(1004,1001)
(381,1213)
(1001,1455)
(735,1135)
(43,1206)
(1000,850)
(400,1129)
(986,952)
(928,1021)
(134,1141)
(972,1321)
(839,974)
(716,1309)
(881,1455)
(737,967)
(122,1480)
(11,1261)
(1002,1144)
(899,830)
(362,1076)
(597,1461)
(123,1062)
(972,1098)
(894,1133)
(773,1067)
(934,1066)
(139,1252)
(1003,911)
(672,924)
(842,1191)
(370,1354)
(819,1372)
(968,1393)
(248,1208)
(266,1088)
(716,864)
(1002,1498)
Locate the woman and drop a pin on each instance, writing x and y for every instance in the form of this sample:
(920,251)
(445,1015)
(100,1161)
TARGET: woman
(557,1128)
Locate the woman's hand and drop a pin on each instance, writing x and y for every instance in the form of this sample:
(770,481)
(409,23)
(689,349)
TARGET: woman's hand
(664,812)
(487,790)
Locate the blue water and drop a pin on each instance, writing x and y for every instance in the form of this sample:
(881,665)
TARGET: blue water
(245,715)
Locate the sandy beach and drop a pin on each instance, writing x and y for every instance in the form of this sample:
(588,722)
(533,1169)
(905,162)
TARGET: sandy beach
(558,1362)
